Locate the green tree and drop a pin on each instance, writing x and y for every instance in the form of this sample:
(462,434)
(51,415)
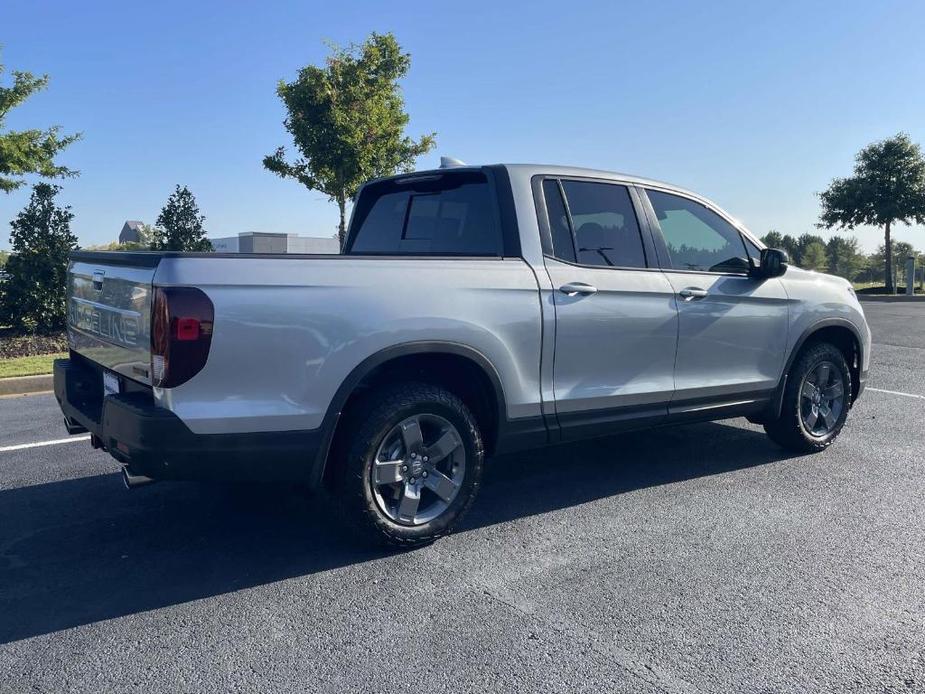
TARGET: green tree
(28,151)
(888,186)
(179,225)
(803,242)
(813,257)
(844,258)
(774,239)
(34,287)
(4,256)
(347,120)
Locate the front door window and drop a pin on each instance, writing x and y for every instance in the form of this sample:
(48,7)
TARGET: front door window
(698,238)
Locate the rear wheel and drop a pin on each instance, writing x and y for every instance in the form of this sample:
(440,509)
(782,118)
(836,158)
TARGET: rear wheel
(413,465)
(816,400)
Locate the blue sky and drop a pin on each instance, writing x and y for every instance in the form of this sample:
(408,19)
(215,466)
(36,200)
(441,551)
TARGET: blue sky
(754,104)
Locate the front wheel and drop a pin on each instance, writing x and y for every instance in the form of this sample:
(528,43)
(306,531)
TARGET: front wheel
(816,401)
(413,466)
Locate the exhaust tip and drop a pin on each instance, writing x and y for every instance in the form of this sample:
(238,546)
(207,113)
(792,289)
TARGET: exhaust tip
(134,481)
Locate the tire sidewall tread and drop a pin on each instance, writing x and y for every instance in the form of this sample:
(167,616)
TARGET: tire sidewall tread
(788,430)
(366,429)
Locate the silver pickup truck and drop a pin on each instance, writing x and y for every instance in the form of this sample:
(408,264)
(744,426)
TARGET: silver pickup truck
(475,311)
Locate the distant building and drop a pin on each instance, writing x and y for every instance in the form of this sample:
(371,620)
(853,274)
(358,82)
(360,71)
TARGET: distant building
(131,232)
(268,242)
(228,244)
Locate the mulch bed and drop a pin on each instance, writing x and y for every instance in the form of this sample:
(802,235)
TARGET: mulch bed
(18,345)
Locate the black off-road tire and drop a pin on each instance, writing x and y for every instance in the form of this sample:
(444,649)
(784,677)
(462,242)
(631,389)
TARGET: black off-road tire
(367,428)
(788,430)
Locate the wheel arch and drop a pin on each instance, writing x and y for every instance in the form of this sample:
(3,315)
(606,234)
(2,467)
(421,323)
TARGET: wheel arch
(838,331)
(459,367)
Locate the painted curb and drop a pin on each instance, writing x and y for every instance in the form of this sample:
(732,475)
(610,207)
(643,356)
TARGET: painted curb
(23,385)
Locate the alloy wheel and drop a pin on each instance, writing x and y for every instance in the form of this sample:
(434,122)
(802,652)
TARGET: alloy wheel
(418,469)
(822,399)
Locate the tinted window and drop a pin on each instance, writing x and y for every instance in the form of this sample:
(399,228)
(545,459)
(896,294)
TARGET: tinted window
(604,224)
(382,224)
(697,237)
(444,214)
(753,251)
(558,222)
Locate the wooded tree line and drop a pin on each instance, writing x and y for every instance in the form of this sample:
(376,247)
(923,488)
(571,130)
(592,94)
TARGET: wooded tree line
(842,256)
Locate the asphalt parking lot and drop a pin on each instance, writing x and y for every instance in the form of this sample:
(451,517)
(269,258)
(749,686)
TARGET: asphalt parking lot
(701,558)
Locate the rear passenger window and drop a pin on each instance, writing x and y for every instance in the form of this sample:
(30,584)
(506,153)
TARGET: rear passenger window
(604,224)
(440,214)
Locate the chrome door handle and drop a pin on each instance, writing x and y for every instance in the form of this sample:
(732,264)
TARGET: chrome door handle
(573,288)
(692,293)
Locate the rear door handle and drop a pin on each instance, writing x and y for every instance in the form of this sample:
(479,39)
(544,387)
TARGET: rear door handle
(691,293)
(573,288)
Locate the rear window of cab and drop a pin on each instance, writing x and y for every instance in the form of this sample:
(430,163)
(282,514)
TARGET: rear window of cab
(435,214)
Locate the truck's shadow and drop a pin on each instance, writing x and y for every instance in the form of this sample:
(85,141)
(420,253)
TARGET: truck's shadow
(83,550)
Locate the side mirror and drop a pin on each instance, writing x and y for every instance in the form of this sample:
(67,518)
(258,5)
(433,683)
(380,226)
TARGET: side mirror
(773,263)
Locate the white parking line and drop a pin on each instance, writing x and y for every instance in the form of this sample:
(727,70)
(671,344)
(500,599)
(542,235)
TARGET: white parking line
(55,442)
(898,392)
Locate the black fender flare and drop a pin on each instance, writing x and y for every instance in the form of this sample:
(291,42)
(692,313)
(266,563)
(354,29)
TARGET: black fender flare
(777,401)
(377,359)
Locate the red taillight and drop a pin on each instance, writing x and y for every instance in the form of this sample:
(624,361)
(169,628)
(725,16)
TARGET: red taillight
(181,334)
(187,329)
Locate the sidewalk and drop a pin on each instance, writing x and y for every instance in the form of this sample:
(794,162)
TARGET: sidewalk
(23,385)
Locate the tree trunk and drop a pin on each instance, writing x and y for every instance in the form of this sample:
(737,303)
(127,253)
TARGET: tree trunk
(888,254)
(342,227)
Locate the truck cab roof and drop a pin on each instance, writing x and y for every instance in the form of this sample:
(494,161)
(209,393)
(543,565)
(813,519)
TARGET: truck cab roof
(530,170)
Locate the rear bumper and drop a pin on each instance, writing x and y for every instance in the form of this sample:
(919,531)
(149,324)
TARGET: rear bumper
(154,442)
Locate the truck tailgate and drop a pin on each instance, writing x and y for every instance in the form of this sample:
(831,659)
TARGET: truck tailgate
(109,310)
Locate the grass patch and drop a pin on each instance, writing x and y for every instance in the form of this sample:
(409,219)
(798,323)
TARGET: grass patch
(28,366)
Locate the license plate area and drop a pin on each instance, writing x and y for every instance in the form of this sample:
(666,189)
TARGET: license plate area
(111,384)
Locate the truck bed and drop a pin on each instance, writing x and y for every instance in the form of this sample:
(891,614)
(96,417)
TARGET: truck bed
(288,330)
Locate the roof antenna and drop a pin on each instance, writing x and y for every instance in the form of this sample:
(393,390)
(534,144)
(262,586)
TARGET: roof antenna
(450,162)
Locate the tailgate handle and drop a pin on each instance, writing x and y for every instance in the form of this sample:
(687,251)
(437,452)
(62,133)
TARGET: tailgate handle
(98,279)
